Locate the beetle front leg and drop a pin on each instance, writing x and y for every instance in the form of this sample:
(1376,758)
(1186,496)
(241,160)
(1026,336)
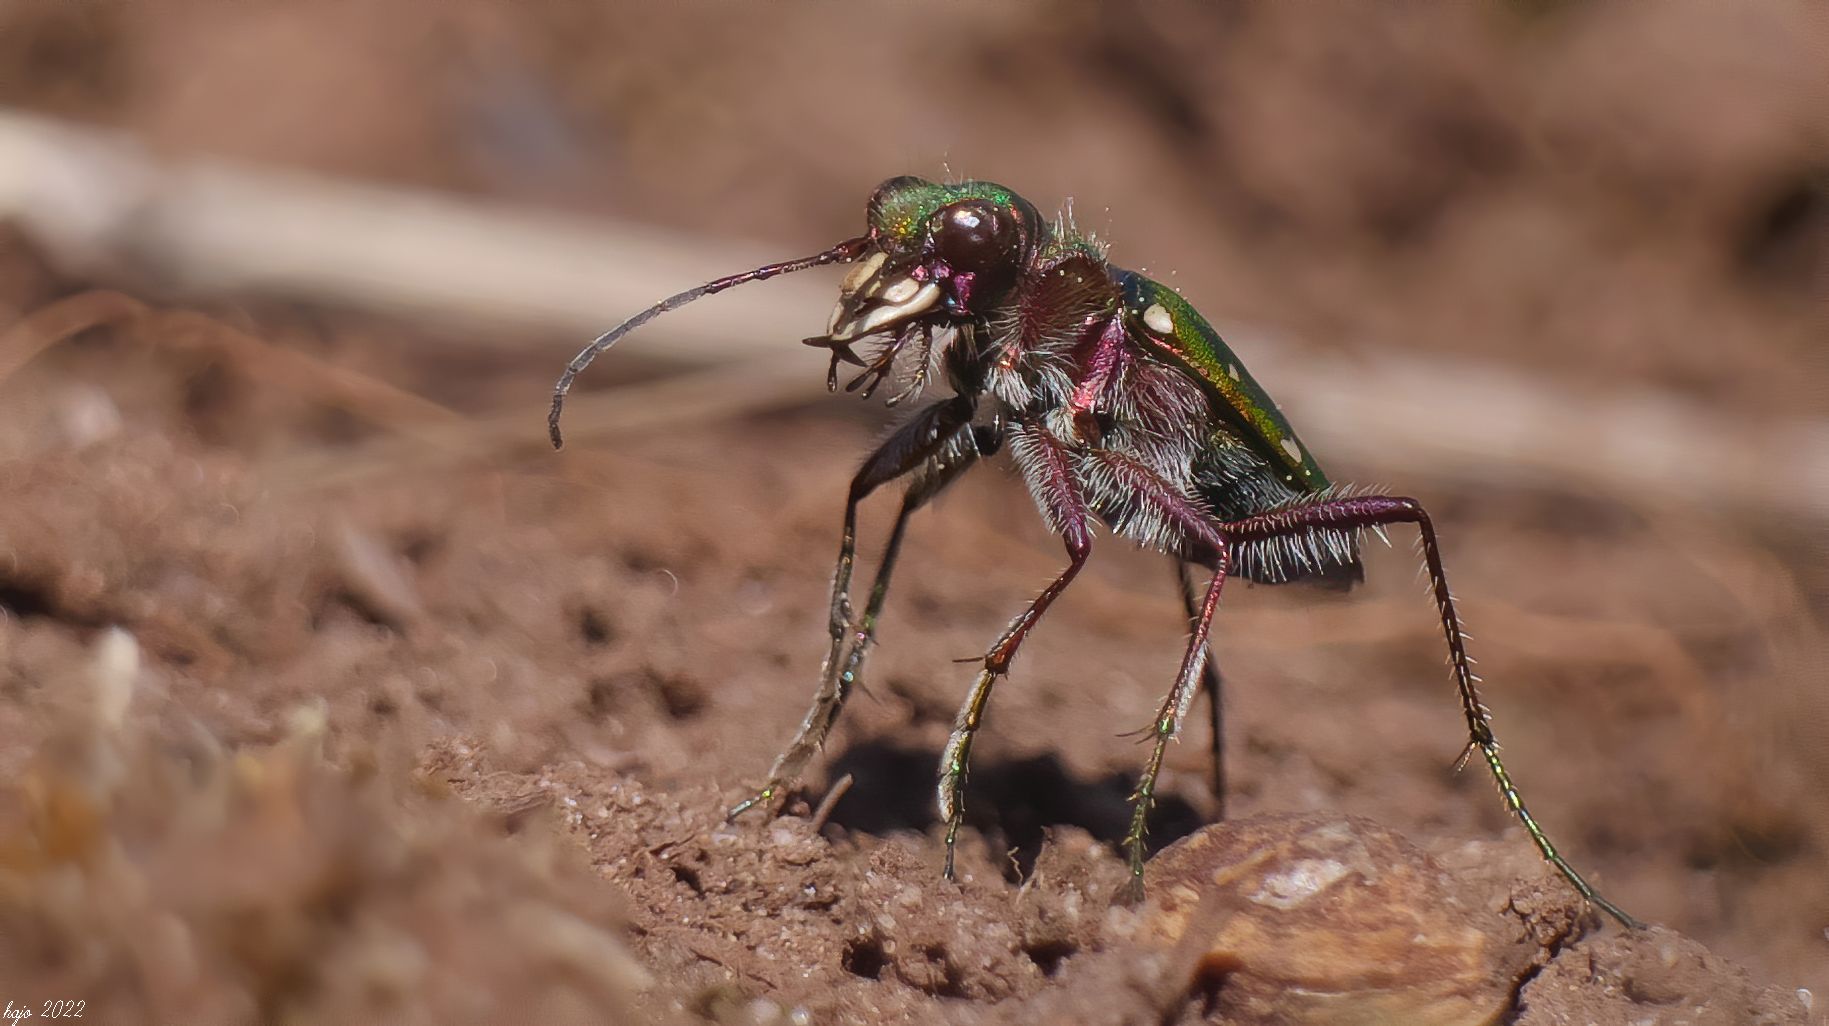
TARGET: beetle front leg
(931,479)
(908,449)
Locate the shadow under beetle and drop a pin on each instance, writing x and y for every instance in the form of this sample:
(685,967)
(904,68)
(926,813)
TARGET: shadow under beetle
(1118,403)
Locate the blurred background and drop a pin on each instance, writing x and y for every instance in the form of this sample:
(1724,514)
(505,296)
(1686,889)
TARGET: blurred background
(1555,269)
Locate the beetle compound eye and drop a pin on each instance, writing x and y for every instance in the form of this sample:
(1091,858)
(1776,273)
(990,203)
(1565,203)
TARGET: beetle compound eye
(980,246)
(974,237)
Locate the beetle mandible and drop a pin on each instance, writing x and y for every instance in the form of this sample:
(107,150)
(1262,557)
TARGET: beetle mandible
(1119,404)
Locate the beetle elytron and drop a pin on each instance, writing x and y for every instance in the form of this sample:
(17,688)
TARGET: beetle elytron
(1119,404)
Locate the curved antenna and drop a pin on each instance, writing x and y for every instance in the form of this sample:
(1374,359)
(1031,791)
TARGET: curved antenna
(844,252)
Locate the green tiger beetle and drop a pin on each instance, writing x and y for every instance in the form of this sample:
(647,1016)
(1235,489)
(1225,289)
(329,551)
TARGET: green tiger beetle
(1118,403)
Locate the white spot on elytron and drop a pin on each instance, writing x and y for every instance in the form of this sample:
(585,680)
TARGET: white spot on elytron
(1157,319)
(1298,883)
(1232,369)
(1294,450)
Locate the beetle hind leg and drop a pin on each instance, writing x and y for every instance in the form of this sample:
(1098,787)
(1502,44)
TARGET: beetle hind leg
(1373,511)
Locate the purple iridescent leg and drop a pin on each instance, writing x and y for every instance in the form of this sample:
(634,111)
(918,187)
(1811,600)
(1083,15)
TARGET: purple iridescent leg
(1371,511)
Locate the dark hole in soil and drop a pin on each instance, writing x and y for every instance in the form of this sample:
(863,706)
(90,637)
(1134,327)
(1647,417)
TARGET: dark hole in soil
(594,627)
(864,957)
(682,697)
(22,599)
(943,978)
(688,876)
(1048,955)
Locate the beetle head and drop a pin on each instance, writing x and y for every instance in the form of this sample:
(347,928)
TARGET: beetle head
(938,253)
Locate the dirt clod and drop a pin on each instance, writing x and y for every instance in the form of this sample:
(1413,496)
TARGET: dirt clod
(1318,920)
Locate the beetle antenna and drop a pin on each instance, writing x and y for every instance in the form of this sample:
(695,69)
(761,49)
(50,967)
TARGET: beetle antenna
(843,253)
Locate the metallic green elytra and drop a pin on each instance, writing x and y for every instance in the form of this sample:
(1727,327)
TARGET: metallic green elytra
(1121,407)
(1168,323)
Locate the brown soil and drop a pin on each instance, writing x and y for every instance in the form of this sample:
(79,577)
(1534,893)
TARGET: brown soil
(595,651)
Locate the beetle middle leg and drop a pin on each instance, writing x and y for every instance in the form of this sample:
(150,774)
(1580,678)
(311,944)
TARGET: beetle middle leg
(1192,535)
(1045,464)
(916,444)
